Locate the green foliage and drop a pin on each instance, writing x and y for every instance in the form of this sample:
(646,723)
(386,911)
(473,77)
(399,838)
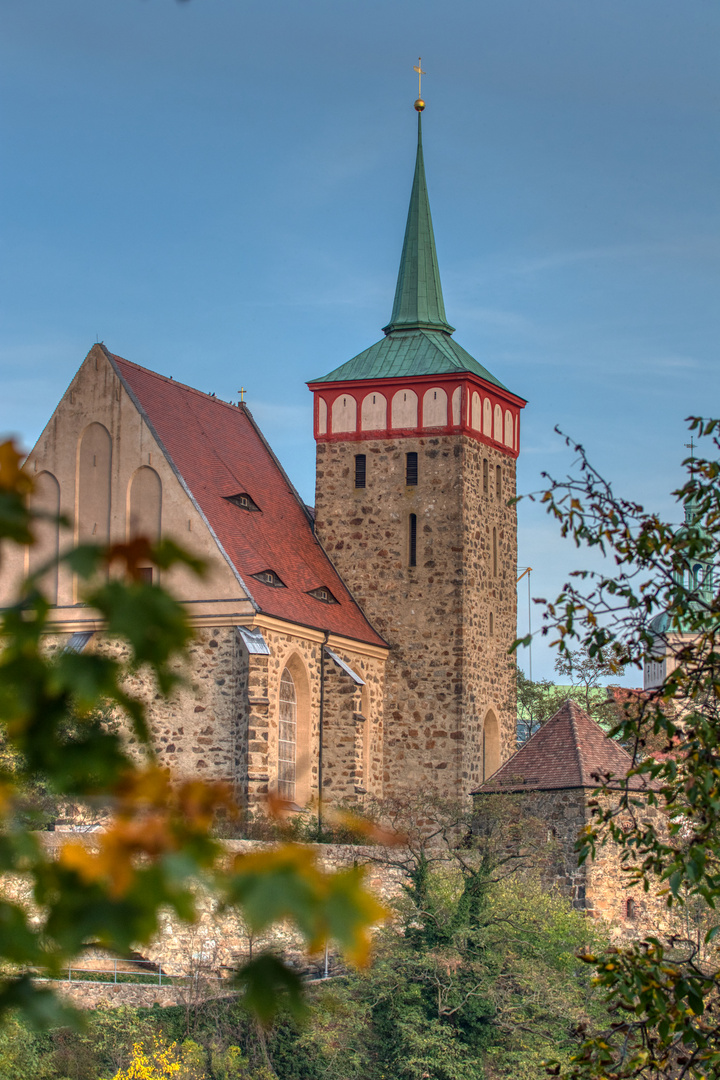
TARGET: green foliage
(492,992)
(538,701)
(655,597)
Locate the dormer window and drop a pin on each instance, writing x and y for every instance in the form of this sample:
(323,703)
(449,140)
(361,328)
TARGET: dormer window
(322,594)
(243,500)
(269,577)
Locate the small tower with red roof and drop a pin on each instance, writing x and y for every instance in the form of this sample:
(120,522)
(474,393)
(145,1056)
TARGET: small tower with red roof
(416,451)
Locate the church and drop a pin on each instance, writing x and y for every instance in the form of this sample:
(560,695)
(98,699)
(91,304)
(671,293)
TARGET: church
(352,649)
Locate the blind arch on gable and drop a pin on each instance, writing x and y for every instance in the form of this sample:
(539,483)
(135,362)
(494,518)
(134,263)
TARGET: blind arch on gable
(144,516)
(45,500)
(93,471)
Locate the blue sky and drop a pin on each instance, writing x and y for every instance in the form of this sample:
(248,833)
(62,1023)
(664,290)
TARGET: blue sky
(217,189)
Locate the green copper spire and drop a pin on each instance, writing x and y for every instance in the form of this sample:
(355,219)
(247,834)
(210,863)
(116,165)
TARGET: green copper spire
(418,295)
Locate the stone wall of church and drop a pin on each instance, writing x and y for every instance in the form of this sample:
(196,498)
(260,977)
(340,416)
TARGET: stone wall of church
(443,674)
(196,731)
(352,729)
(222,723)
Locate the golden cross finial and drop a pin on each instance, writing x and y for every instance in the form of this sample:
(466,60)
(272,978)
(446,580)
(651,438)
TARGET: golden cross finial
(420,74)
(241,392)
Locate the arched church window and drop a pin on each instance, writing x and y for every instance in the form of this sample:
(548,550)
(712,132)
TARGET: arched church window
(287,737)
(629,908)
(498,481)
(494,553)
(486,483)
(411,469)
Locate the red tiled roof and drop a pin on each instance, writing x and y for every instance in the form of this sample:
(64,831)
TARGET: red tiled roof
(218,451)
(569,751)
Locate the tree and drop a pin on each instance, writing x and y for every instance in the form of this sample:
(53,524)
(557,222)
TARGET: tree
(536,703)
(656,601)
(585,672)
(158,843)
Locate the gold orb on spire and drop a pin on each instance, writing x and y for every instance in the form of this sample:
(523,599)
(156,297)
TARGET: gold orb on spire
(419,104)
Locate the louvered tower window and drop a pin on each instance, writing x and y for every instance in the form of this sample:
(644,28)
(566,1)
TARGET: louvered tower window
(498,482)
(411,469)
(412,552)
(287,737)
(485,476)
(360,470)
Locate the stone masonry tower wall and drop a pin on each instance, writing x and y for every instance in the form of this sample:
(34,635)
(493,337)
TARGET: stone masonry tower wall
(450,618)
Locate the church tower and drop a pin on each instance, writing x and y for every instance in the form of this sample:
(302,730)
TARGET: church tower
(416,451)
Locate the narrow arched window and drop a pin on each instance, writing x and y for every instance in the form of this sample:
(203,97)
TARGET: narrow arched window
(485,476)
(494,553)
(629,908)
(498,482)
(360,470)
(492,624)
(412,546)
(411,469)
(287,737)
